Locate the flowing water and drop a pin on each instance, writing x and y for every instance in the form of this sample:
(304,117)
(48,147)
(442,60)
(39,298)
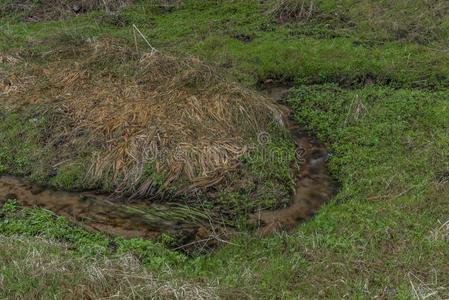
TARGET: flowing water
(314,185)
(97,213)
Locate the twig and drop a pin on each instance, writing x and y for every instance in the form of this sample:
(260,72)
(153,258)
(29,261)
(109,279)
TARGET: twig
(144,38)
(389,195)
(414,290)
(60,163)
(106,6)
(224,241)
(135,41)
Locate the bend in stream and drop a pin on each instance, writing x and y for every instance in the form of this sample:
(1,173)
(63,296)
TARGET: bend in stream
(314,185)
(95,212)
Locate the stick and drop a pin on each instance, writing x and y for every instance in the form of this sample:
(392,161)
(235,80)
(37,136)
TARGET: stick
(145,39)
(135,41)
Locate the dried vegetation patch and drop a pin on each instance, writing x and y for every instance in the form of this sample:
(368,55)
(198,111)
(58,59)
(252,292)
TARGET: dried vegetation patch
(156,121)
(39,269)
(46,10)
(294,10)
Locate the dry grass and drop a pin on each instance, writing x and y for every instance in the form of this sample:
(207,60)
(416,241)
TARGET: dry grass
(441,232)
(45,10)
(421,289)
(177,117)
(10,83)
(294,10)
(41,269)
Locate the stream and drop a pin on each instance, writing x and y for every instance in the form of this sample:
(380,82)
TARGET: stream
(96,213)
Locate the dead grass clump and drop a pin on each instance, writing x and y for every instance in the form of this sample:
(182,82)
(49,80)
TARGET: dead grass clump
(294,10)
(9,59)
(173,123)
(420,21)
(11,83)
(45,10)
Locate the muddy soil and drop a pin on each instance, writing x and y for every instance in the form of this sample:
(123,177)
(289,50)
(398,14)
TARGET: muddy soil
(95,212)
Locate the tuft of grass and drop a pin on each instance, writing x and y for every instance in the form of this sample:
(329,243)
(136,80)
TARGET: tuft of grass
(294,10)
(29,149)
(20,146)
(39,268)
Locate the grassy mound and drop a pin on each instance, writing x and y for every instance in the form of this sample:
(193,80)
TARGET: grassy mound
(142,125)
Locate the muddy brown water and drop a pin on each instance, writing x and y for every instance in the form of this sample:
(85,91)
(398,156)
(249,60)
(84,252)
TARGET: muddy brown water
(95,212)
(314,185)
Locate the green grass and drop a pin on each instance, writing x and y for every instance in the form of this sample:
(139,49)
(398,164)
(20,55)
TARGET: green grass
(384,227)
(375,94)
(302,53)
(375,22)
(20,141)
(33,221)
(375,128)
(29,149)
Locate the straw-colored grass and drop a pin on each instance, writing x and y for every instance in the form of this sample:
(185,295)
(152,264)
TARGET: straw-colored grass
(147,114)
(41,269)
(45,10)
(294,10)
